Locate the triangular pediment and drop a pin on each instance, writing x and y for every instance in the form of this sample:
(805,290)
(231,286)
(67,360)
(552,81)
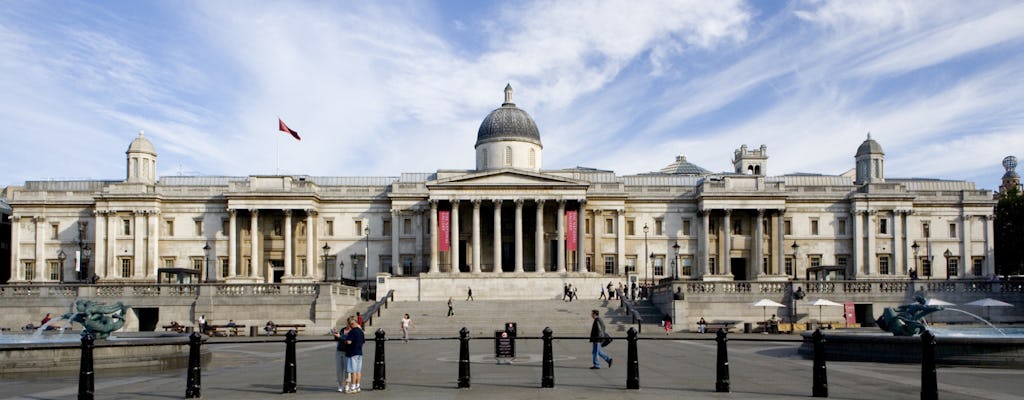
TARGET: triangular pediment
(507,177)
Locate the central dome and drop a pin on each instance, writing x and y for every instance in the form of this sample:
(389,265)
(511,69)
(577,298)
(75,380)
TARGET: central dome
(508,123)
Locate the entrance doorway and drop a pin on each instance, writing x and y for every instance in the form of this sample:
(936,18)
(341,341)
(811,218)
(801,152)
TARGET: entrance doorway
(508,257)
(739,268)
(865,314)
(277,268)
(148,317)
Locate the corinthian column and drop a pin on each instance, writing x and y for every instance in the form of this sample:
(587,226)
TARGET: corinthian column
(581,237)
(476,237)
(519,235)
(538,236)
(561,236)
(232,242)
(455,256)
(254,243)
(433,237)
(287,243)
(497,236)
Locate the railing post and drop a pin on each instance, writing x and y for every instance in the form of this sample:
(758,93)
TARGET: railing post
(464,358)
(547,378)
(819,387)
(632,361)
(929,382)
(193,383)
(290,378)
(86,383)
(379,375)
(722,373)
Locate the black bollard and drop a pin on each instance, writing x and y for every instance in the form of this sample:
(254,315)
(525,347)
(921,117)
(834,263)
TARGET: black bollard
(193,382)
(820,375)
(547,375)
(632,362)
(291,379)
(464,358)
(722,375)
(86,382)
(929,382)
(379,376)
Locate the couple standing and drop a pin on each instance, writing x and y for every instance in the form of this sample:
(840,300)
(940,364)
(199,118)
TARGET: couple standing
(348,359)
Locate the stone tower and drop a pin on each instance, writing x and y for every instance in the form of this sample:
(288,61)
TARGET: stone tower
(870,162)
(141,162)
(508,138)
(751,162)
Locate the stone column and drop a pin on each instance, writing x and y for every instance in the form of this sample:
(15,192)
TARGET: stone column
(433,238)
(539,237)
(701,263)
(311,241)
(287,242)
(965,244)
(780,241)
(100,247)
(581,236)
(899,263)
(759,244)
(417,227)
(40,239)
(476,237)
(726,243)
(18,274)
(396,250)
(497,235)
(254,243)
(519,236)
(154,245)
(990,264)
(232,243)
(113,262)
(560,226)
(138,252)
(871,263)
(858,244)
(596,241)
(620,240)
(455,237)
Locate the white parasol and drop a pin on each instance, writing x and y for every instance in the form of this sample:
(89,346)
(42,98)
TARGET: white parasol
(823,303)
(764,304)
(988,302)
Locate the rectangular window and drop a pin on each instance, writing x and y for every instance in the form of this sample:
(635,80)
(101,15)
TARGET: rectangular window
(842,260)
(359,227)
(224,266)
(926,230)
(686,227)
(659,265)
(30,269)
(609,226)
(278,228)
(687,262)
(246,266)
(712,267)
(586,226)
(126,267)
(588,264)
(787,227)
(976,268)
(630,264)
(359,266)
(630,227)
(883,265)
(385,264)
(168,262)
(789,266)
(952,231)
(328,227)
(54,231)
(657,226)
(609,264)
(814,227)
(198,227)
(814,260)
(54,268)
(225,226)
(952,265)
(126,226)
(841,226)
(386,227)
(883,226)
(407,226)
(168,227)
(737,227)
(712,227)
(926,266)
(197,263)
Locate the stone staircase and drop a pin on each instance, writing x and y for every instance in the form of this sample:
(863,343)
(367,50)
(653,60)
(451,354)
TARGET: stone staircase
(483,317)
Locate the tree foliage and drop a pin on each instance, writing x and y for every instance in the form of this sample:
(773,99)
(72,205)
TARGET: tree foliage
(1009,234)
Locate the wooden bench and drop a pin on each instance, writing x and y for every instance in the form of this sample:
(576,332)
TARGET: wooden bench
(712,327)
(170,328)
(281,329)
(769,327)
(225,330)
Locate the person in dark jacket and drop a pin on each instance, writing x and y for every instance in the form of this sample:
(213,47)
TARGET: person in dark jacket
(597,334)
(354,354)
(339,357)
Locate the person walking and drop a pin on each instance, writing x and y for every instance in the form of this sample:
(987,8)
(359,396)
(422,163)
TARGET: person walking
(354,340)
(597,334)
(405,325)
(603,295)
(339,357)
(359,319)
(451,309)
(667,323)
(469,294)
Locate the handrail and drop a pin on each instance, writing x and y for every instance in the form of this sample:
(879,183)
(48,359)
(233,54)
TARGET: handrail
(630,309)
(375,308)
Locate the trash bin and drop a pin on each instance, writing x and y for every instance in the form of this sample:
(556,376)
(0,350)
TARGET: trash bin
(748,327)
(254,330)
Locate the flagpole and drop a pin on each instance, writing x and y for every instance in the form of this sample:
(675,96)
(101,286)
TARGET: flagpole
(277,156)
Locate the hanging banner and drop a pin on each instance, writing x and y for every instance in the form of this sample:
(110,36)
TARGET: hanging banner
(444,228)
(850,312)
(570,241)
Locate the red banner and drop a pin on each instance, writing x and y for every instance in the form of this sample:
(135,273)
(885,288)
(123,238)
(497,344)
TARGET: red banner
(444,227)
(570,241)
(850,312)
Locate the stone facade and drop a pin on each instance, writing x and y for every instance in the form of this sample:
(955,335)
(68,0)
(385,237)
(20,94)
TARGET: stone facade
(506,219)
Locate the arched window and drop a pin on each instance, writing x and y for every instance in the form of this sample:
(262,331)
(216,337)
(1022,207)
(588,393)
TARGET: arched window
(757,170)
(750,170)
(508,156)
(533,158)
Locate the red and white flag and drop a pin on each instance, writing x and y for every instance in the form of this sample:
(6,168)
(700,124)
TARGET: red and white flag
(284,128)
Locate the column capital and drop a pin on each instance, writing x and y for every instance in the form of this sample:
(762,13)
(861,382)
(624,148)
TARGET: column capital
(476,203)
(497,201)
(582,201)
(38,218)
(727,211)
(312,213)
(519,203)
(287,212)
(232,211)
(539,201)
(254,211)
(561,203)
(760,212)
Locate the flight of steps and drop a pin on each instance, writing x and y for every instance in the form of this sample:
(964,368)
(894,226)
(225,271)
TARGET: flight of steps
(483,317)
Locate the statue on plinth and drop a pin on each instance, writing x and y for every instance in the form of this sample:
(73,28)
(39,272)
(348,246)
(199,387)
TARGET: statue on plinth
(97,318)
(908,319)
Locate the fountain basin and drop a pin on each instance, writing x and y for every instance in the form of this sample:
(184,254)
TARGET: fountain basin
(20,354)
(953,346)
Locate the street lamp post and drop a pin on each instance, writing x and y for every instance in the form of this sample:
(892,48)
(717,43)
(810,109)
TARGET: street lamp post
(675,262)
(327,251)
(366,262)
(646,229)
(83,261)
(917,269)
(206,262)
(948,254)
(796,259)
(60,272)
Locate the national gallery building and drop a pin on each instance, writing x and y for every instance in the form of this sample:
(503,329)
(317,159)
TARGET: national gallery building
(506,218)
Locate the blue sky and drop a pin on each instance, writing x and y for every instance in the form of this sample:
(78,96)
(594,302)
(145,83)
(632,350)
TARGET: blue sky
(381,88)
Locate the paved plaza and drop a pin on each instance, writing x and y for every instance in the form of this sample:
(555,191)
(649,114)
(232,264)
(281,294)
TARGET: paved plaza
(681,366)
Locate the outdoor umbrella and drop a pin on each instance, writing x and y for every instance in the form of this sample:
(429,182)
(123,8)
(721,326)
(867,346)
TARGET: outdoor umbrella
(764,304)
(937,302)
(824,302)
(988,302)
